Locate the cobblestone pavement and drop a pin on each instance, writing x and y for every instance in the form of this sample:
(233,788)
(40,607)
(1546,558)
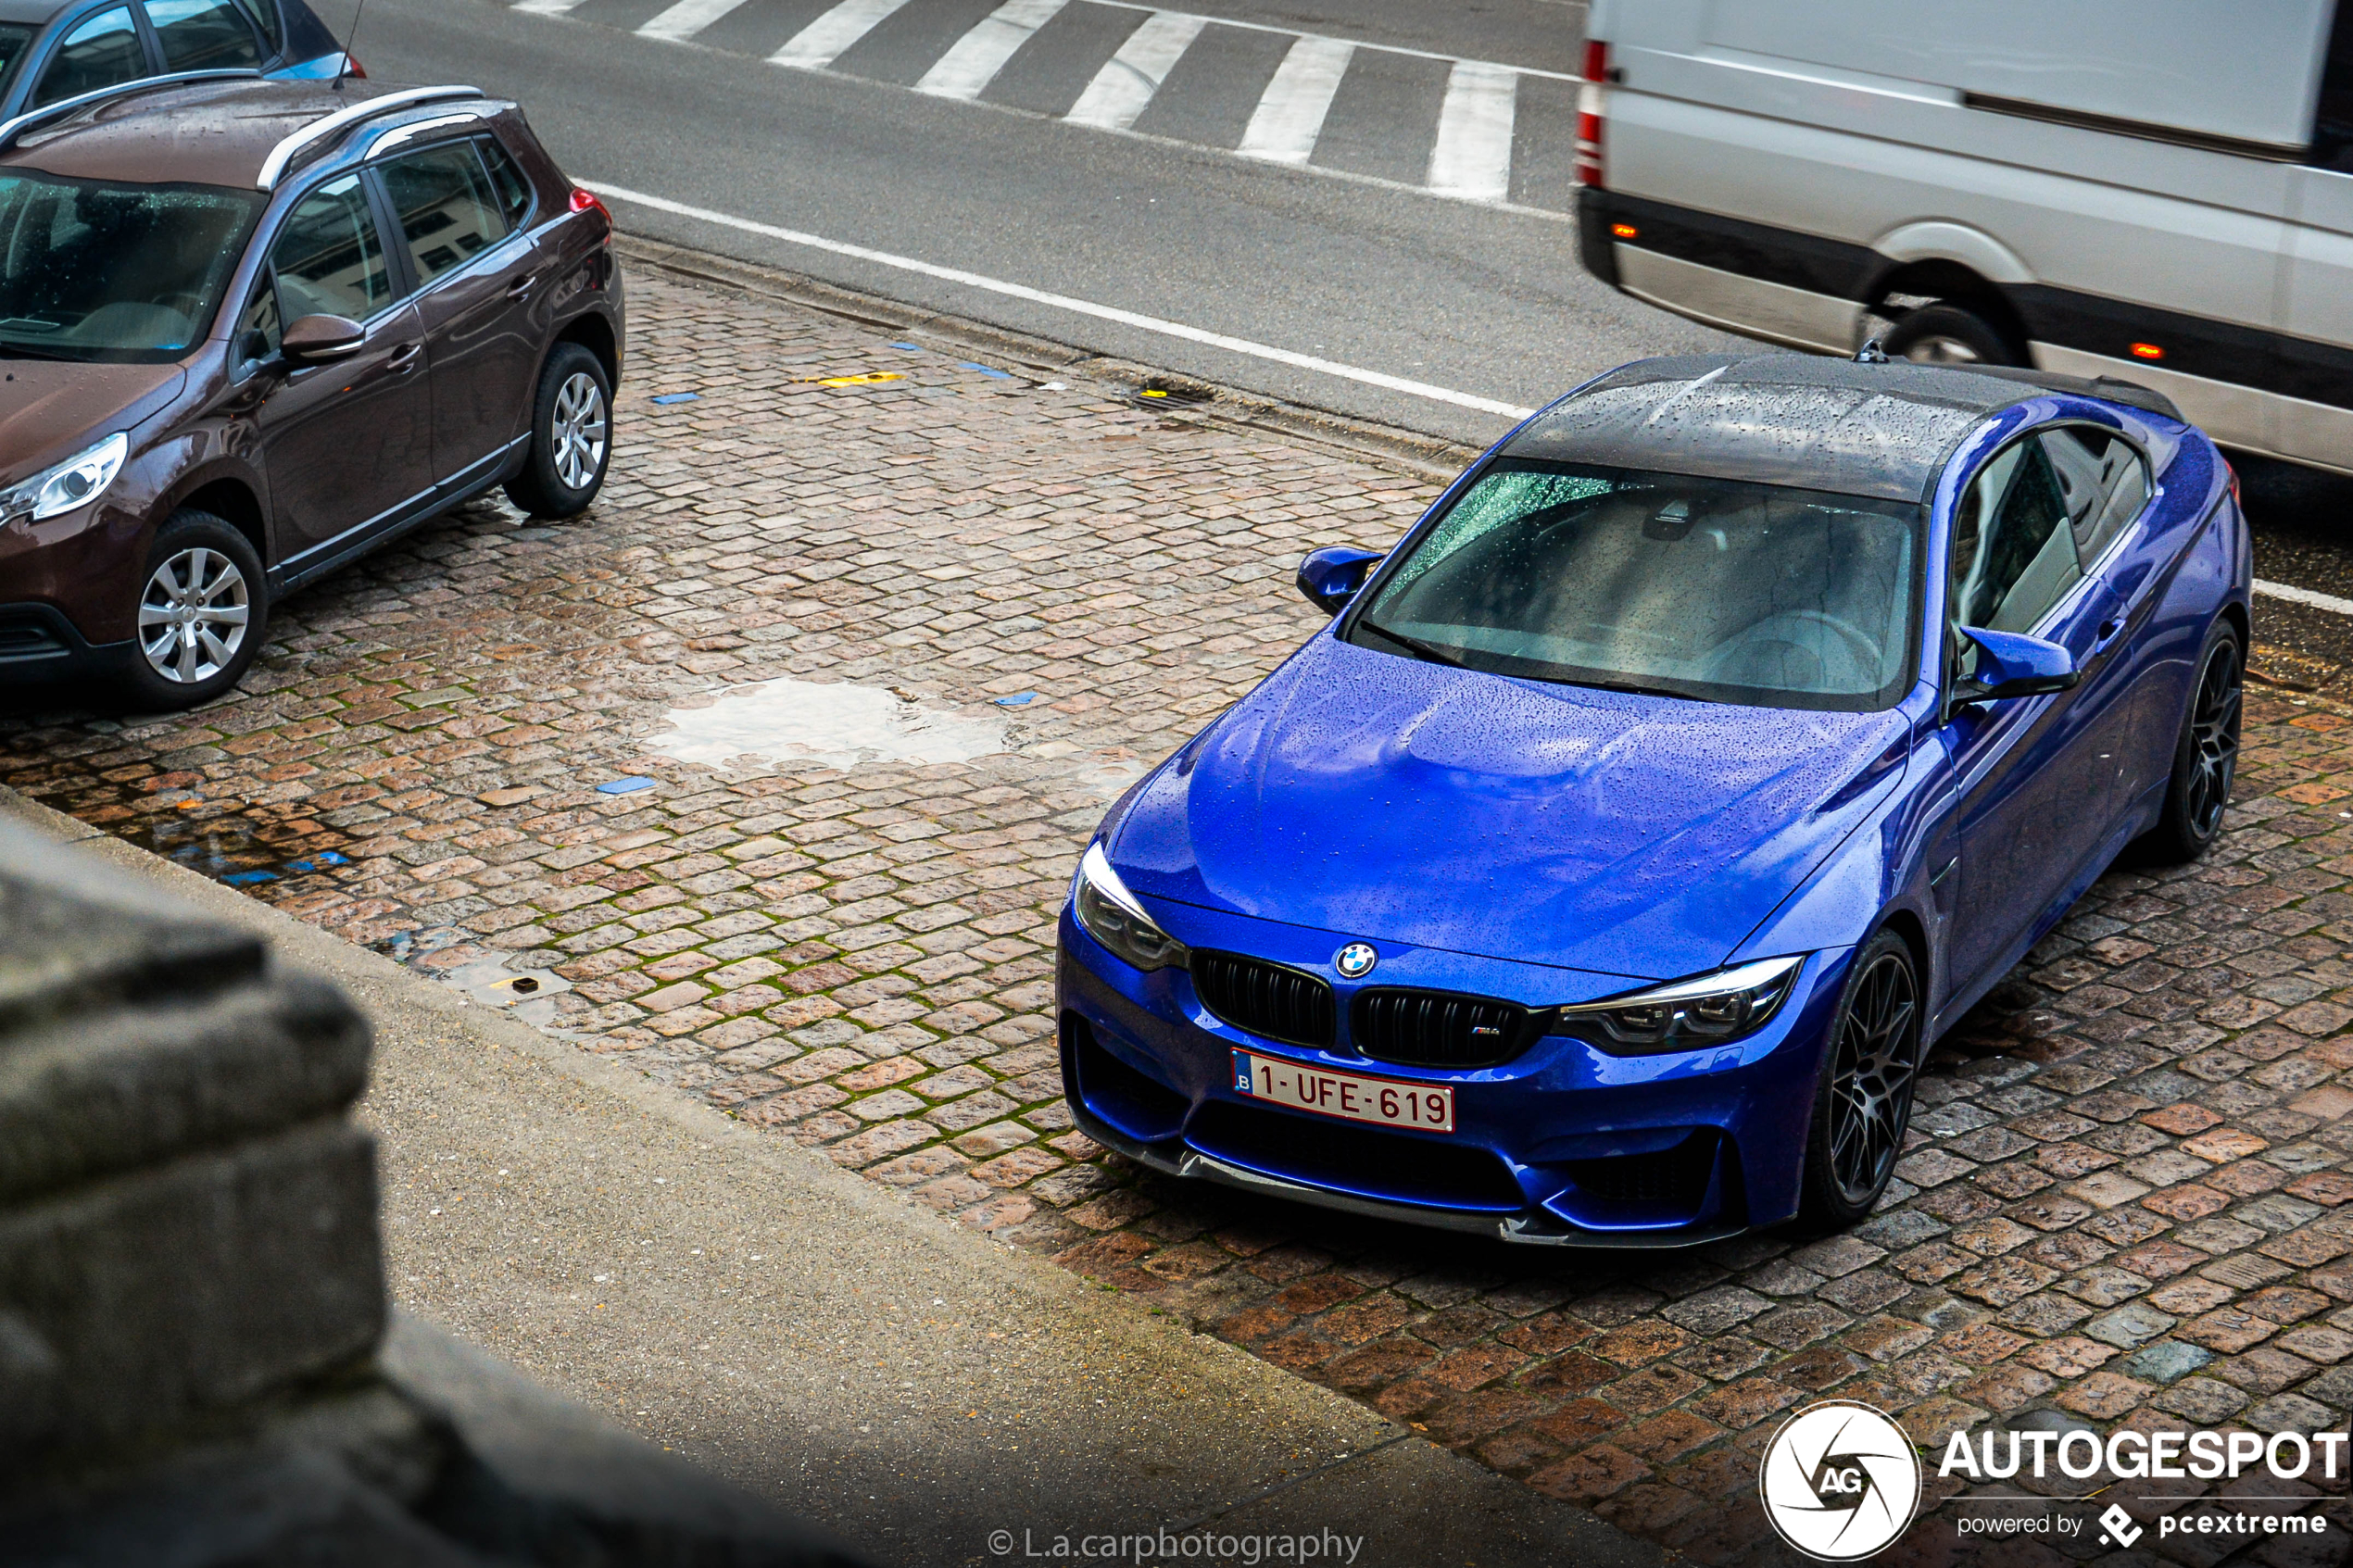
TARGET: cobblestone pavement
(2126,1200)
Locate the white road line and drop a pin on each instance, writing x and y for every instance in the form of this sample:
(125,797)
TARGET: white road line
(1294,32)
(1290,112)
(830,37)
(1064,302)
(973,63)
(1473,156)
(686,18)
(2306,596)
(543,8)
(1128,78)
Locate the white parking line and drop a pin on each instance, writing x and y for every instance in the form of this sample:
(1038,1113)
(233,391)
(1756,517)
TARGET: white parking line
(543,8)
(973,62)
(1473,156)
(830,37)
(1064,302)
(686,18)
(1290,112)
(1125,84)
(2306,596)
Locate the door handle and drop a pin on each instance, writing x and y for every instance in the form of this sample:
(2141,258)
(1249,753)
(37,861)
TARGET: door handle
(521,285)
(2109,631)
(404,358)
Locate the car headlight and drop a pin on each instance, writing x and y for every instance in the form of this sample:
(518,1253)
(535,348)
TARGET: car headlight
(77,481)
(1688,1015)
(1111,916)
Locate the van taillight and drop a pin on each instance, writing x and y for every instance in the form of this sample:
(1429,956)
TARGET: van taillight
(1589,114)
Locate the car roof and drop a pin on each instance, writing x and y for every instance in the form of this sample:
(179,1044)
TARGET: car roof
(32,13)
(1883,429)
(208,132)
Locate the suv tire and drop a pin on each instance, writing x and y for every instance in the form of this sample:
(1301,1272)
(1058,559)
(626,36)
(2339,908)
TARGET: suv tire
(201,613)
(1949,335)
(571,436)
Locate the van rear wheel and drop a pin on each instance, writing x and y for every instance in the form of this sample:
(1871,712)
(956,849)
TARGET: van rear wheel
(1949,335)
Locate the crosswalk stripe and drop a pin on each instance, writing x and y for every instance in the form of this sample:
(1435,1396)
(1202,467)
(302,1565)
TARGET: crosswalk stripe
(830,37)
(1290,112)
(545,7)
(686,18)
(973,63)
(1473,156)
(1128,78)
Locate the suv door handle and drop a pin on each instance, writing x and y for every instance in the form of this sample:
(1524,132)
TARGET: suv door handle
(405,357)
(521,285)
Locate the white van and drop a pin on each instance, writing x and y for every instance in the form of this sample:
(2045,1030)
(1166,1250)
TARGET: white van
(2161,190)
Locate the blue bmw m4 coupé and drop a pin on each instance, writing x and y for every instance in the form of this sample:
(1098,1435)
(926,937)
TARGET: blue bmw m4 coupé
(1601,874)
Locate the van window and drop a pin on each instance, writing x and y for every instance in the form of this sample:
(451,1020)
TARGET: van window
(2013,552)
(2104,481)
(103,52)
(2332,121)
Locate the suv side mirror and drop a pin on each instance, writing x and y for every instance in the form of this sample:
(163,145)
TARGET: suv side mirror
(1329,577)
(313,338)
(2012,665)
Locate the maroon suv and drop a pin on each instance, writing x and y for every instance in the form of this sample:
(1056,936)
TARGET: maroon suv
(252,329)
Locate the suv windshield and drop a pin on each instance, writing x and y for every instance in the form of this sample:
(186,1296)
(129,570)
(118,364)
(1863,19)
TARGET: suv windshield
(91,269)
(1706,589)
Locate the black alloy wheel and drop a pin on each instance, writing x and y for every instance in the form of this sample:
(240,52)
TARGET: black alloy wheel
(1865,1102)
(2206,759)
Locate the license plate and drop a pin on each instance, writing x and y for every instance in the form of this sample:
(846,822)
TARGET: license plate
(1386,1102)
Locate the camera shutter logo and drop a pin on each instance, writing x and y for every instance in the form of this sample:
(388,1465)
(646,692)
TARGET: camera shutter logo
(1840,1481)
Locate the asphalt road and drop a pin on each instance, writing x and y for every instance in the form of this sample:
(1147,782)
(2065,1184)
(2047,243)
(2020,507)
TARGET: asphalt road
(1374,186)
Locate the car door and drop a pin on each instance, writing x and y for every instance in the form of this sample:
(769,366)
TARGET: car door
(347,443)
(2033,789)
(478,271)
(104,49)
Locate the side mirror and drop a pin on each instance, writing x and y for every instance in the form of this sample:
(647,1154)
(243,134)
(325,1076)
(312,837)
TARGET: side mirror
(2011,665)
(1329,577)
(313,338)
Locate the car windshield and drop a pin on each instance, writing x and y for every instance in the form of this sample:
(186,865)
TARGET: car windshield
(1706,589)
(92,270)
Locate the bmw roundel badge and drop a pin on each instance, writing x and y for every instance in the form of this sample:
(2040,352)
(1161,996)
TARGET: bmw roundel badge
(1355,960)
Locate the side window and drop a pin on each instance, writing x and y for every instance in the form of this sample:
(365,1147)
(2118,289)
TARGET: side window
(2013,552)
(2105,482)
(103,52)
(204,35)
(329,259)
(263,14)
(447,209)
(514,190)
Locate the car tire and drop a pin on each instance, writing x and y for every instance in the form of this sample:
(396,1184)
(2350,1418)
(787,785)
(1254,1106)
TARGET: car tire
(571,436)
(201,613)
(2205,756)
(1863,1103)
(1949,335)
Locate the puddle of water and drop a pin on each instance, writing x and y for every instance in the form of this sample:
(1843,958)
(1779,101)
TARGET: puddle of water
(840,726)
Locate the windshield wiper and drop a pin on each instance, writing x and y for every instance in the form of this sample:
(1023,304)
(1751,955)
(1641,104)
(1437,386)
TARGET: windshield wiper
(1629,687)
(10,349)
(1414,645)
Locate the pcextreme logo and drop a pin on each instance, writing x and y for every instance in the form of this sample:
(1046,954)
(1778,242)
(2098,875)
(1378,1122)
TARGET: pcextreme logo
(1840,1481)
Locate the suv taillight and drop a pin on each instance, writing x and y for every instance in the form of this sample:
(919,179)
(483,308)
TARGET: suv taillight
(1589,114)
(585,201)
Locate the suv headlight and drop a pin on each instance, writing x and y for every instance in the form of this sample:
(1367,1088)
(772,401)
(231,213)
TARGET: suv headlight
(1111,916)
(77,481)
(1688,1015)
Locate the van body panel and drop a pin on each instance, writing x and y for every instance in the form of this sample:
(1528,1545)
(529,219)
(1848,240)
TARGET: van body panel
(1735,302)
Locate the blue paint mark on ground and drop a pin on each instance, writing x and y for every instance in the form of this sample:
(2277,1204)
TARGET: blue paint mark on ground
(909,347)
(985,370)
(625,786)
(1019,699)
(247,879)
(678,397)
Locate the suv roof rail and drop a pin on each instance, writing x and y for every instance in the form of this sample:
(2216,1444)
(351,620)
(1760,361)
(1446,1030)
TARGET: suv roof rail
(275,166)
(11,129)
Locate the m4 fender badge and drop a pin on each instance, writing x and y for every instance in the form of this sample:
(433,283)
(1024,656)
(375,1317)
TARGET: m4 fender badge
(1355,960)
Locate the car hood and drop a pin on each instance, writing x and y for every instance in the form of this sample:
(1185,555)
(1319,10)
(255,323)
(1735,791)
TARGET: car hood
(1388,799)
(50,409)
